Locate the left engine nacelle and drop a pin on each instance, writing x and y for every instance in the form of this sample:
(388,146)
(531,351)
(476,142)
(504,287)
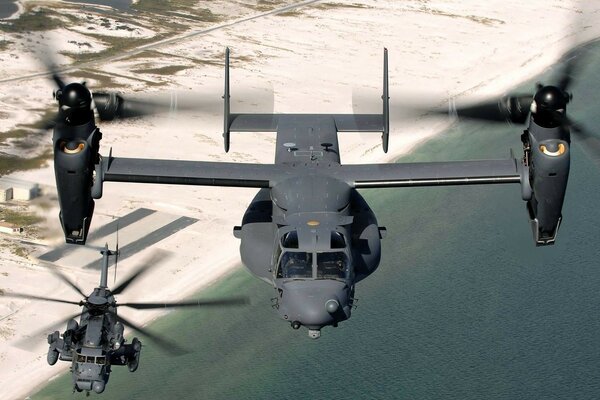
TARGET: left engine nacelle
(75,160)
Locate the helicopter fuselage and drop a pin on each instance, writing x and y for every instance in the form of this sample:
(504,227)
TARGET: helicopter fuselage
(311,236)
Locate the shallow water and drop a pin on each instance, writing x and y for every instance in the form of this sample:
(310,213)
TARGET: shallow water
(7,8)
(463,306)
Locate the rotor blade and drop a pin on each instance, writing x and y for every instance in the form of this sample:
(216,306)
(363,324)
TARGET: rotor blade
(589,142)
(514,108)
(166,345)
(116,255)
(237,301)
(56,272)
(155,258)
(39,336)
(46,54)
(111,106)
(509,108)
(41,298)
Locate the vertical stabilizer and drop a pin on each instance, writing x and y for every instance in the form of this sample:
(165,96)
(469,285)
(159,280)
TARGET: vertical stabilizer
(226,120)
(385,137)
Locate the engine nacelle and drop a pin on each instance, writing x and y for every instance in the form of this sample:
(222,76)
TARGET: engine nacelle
(75,159)
(548,156)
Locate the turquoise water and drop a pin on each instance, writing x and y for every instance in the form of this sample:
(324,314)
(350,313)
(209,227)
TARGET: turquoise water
(463,306)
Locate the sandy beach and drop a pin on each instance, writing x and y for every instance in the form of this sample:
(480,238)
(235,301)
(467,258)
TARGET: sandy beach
(313,58)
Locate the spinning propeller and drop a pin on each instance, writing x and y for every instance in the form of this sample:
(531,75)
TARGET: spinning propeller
(77,102)
(547,106)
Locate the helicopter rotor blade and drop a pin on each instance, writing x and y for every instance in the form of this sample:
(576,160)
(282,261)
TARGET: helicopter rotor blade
(38,336)
(56,272)
(236,301)
(155,258)
(116,255)
(165,344)
(41,298)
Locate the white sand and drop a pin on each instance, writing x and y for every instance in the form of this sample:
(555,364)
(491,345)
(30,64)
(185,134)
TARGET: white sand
(312,60)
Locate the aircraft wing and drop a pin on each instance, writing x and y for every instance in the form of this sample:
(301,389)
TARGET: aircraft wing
(432,173)
(192,172)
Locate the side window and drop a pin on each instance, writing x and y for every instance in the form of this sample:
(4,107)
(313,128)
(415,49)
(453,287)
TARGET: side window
(290,240)
(337,240)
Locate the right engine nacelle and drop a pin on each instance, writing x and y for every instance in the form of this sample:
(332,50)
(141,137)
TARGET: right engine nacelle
(548,157)
(75,158)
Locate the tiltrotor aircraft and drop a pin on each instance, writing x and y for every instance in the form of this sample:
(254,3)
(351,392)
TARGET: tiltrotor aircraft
(308,231)
(96,343)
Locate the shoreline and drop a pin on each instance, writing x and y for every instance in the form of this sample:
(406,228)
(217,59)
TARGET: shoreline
(354,148)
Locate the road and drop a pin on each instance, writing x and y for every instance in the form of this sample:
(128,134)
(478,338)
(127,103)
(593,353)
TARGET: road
(160,43)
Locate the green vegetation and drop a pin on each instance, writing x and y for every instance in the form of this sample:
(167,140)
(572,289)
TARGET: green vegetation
(19,251)
(114,47)
(292,13)
(39,19)
(10,164)
(167,70)
(474,18)
(4,44)
(155,6)
(332,6)
(266,5)
(18,133)
(19,218)
(184,9)
(100,80)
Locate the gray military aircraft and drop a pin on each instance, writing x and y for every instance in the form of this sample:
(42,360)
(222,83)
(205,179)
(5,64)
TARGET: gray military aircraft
(308,231)
(97,343)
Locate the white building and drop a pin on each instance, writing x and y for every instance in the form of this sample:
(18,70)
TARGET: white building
(6,193)
(5,227)
(21,190)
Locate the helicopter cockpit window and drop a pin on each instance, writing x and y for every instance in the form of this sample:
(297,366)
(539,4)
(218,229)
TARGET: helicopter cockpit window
(332,265)
(337,240)
(295,265)
(290,240)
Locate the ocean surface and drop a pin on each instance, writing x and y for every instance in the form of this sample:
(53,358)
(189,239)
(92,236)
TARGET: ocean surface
(463,306)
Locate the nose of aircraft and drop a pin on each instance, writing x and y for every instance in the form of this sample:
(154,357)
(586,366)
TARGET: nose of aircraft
(314,303)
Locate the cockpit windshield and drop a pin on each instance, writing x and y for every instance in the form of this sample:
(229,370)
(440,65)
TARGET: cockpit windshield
(100,360)
(332,265)
(295,264)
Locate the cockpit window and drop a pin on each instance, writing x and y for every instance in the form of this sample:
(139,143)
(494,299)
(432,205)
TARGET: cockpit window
(290,240)
(337,240)
(332,265)
(295,265)
(101,360)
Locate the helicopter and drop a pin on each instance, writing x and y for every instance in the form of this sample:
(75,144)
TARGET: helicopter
(97,343)
(308,232)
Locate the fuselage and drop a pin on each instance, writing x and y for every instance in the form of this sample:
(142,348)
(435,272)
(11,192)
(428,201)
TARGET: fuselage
(312,236)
